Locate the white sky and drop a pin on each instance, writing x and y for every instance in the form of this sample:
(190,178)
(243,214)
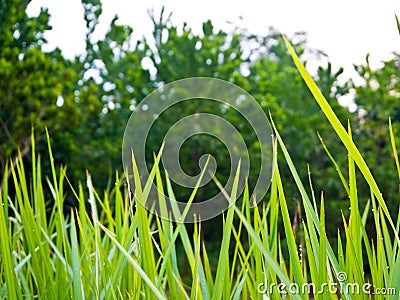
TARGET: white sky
(345,30)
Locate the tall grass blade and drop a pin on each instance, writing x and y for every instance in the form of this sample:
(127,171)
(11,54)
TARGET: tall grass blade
(341,132)
(223,263)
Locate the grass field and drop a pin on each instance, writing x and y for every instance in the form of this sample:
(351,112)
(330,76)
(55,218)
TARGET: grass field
(110,246)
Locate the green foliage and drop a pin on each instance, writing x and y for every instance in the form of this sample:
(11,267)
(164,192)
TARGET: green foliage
(36,88)
(116,72)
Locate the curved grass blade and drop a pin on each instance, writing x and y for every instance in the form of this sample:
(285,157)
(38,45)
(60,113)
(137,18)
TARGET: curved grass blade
(135,265)
(342,133)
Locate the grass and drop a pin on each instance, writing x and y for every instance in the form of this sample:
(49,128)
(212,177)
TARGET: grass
(117,249)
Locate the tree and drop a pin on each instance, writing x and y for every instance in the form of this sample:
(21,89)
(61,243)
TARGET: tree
(86,102)
(111,81)
(35,87)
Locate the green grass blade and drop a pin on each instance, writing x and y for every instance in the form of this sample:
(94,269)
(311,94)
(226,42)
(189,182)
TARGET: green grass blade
(394,149)
(292,246)
(239,289)
(341,176)
(223,263)
(135,265)
(355,221)
(12,288)
(341,132)
(76,269)
(322,278)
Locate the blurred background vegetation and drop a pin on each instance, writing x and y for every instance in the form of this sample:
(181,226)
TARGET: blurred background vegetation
(85,102)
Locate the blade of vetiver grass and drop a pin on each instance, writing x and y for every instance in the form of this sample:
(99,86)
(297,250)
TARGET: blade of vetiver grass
(207,269)
(365,213)
(4,191)
(387,241)
(395,278)
(310,213)
(244,257)
(257,254)
(261,227)
(310,257)
(354,222)
(370,248)
(379,257)
(254,251)
(173,278)
(197,268)
(341,132)
(150,180)
(250,257)
(380,254)
(37,186)
(238,233)
(128,234)
(141,195)
(340,252)
(342,179)
(57,188)
(311,188)
(12,288)
(274,205)
(101,263)
(223,264)
(239,289)
(85,226)
(367,244)
(292,246)
(386,249)
(201,282)
(119,207)
(108,212)
(398,23)
(180,228)
(61,240)
(135,265)
(256,260)
(241,264)
(23,278)
(165,227)
(395,246)
(76,269)
(353,270)
(394,149)
(170,281)
(195,289)
(31,233)
(322,276)
(282,260)
(97,237)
